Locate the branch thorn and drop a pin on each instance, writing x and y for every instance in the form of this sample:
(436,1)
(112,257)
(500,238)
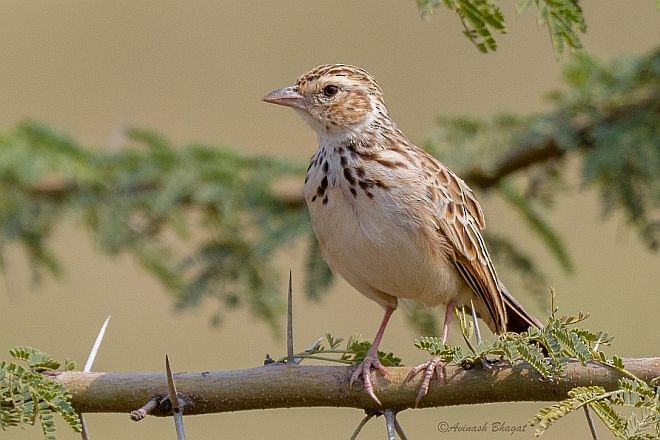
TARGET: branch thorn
(289,326)
(177,407)
(84,433)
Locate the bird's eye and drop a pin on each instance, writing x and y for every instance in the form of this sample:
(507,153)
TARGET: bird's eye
(330,90)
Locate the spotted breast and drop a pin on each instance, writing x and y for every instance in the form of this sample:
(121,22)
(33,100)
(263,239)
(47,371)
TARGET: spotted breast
(362,214)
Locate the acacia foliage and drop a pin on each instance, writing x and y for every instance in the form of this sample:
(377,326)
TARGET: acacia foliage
(209,222)
(482,18)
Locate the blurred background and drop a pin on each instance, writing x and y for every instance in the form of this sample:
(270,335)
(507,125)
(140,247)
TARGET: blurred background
(195,71)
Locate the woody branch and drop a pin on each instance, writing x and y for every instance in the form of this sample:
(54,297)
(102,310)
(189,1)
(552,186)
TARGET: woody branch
(285,386)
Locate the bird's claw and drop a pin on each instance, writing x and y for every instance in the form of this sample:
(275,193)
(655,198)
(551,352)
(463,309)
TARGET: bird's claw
(364,369)
(434,364)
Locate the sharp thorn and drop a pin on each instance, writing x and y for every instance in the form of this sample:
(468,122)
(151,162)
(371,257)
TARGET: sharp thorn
(171,386)
(475,323)
(84,433)
(178,425)
(95,347)
(590,422)
(177,409)
(390,418)
(289,326)
(466,331)
(360,425)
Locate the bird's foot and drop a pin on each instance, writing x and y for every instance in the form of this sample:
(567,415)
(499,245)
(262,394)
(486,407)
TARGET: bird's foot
(433,365)
(364,369)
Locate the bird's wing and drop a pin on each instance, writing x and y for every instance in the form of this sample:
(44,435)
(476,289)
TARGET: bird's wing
(460,218)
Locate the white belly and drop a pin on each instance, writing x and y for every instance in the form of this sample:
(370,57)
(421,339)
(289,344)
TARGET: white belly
(374,244)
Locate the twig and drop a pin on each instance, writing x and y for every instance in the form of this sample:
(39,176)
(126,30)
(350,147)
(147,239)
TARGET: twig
(549,148)
(139,414)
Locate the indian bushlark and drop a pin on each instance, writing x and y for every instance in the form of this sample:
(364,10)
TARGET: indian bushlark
(392,220)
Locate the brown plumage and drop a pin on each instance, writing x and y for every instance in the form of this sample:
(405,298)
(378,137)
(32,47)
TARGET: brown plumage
(392,220)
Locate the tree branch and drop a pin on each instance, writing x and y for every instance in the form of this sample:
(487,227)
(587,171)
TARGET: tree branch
(526,155)
(550,147)
(284,386)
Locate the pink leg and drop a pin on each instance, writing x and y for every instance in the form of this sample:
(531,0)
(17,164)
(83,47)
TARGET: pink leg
(434,364)
(371,359)
(449,314)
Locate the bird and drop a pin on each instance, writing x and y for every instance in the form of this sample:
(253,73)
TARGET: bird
(392,220)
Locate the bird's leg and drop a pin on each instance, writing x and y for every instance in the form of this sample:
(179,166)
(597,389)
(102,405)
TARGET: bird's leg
(435,363)
(449,314)
(371,359)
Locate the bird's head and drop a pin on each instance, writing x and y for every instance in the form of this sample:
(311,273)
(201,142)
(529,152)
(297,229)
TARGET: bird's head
(333,98)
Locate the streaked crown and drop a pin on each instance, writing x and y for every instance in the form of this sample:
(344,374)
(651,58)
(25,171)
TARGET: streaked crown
(333,97)
(343,73)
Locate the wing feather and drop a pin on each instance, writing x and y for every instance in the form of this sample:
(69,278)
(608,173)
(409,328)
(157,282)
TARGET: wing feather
(460,219)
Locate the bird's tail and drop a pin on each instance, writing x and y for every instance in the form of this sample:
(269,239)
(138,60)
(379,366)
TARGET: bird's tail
(518,319)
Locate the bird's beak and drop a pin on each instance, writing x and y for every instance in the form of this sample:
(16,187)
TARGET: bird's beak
(286,96)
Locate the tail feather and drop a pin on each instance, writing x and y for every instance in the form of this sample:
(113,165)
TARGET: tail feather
(518,319)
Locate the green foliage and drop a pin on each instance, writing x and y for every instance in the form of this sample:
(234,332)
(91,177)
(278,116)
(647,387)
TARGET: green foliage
(27,396)
(446,352)
(153,200)
(623,100)
(563,18)
(358,347)
(551,414)
(643,423)
(480,18)
(208,222)
(354,351)
(547,351)
(606,120)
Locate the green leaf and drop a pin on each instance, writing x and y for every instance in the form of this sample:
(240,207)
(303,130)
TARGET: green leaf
(564,20)
(360,347)
(478,17)
(611,417)
(549,415)
(28,397)
(618,362)
(36,360)
(534,356)
(572,342)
